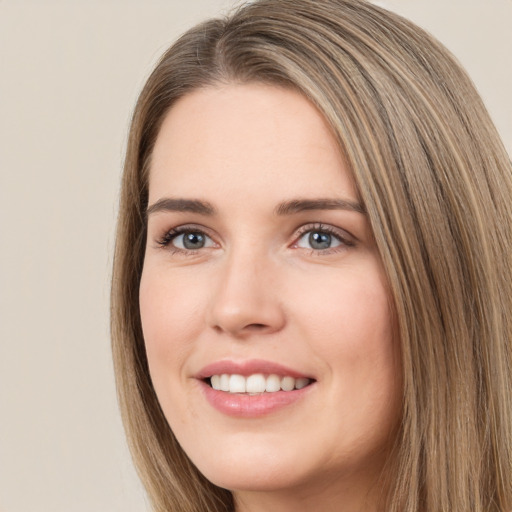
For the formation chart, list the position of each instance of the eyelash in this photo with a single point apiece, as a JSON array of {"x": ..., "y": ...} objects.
[
  {"x": 166, "y": 241},
  {"x": 345, "y": 240}
]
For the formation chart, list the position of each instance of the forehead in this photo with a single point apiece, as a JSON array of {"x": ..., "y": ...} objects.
[{"x": 237, "y": 138}]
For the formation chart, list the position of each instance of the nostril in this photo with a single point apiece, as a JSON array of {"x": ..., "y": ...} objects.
[{"x": 256, "y": 327}]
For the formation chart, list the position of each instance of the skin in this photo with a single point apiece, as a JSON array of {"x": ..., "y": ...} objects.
[{"x": 259, "y": 290}]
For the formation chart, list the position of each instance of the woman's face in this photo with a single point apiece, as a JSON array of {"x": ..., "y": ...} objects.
[{"x": 261, "y": 277}]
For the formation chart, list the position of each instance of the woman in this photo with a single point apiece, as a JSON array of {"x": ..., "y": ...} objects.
[{"x": 312, "y": 276}]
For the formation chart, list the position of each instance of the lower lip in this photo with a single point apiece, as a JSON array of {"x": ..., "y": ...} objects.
[{"x": 252, "y": 406}]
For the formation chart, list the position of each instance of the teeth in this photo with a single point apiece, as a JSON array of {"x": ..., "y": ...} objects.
[
  {"x": 237, "y": 384},
  {"x": 256, "y": 383},
  {"x": 288, "y": 383},
  {"x": 215, "y": 381},
  {"x": 301, "y": 383},
  {"x": 224, "y": 382},
  {"x": 273, "y": 384}
]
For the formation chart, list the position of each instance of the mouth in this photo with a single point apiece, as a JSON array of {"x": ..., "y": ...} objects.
[
  {"x": 256, "y": 383},
  {"x": 253, "y": 388}
]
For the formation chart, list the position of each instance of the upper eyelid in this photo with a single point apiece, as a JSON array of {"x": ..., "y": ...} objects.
[
  {"x": 165, "y": 237},
  {"x": 329, "y": 228},
  {"x": 184, "y": 228}
]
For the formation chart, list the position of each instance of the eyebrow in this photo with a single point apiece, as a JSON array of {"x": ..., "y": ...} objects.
[
  {"x": 169, "y": 204},
  {"x": 301, "y": 205}
]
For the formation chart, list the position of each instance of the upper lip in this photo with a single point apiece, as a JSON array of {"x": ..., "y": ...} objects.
[{"x": 247, "y": 368}]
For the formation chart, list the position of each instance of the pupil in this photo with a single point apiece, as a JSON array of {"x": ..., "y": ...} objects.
[
  {"x": 193, "y": 240},
  {"x": 319, "y": 240}
]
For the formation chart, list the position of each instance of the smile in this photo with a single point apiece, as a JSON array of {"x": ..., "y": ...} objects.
[
  {"x": 256, "y": 383},
  {"x": 253, "y": 388}
]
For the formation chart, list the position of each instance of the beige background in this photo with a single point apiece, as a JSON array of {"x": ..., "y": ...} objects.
[{"x": 70, "y": 73}]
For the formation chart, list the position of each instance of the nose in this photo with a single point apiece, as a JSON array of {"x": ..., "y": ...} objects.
[{"x": 245, "y": 299}]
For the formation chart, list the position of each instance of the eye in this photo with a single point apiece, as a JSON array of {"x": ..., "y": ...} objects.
[
  {"x": 186, "y": 240},
  {"x": 319, "y": 240},
  {"x": 323, "y": 238},
  {"x": 191, "y": 240}
]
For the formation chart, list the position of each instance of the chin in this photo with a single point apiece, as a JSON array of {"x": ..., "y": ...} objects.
[
  {"x": 251, "y": 477},
  {"x": 253, "y": 468}
]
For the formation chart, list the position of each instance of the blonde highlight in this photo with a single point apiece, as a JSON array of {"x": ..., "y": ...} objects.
[{"x": 436, "y": 183}]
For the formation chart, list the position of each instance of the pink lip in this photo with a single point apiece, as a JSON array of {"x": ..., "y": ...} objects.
[
  {"x": 247, "y": 368},
  {"x": 244, "y": 405}
]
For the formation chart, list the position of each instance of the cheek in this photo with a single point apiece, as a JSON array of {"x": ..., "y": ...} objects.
[
  {"x": 169, "y": 318},
  {"x": 350, "y": 325},
  {"x": 352, "y": 314},
  {"x": 169, "y": 306}
]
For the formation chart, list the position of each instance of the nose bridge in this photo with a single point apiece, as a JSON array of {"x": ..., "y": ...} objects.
[{"x": 245, "y": 299}]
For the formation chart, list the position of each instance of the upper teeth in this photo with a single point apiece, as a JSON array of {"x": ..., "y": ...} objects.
[{"x": 257, "y": 383}]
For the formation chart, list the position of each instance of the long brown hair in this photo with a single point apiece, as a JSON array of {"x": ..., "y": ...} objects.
[{"x": 437, "y": 185}]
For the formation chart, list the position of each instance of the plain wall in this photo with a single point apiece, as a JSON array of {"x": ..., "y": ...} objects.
[{"x": 70, "y": 72}]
